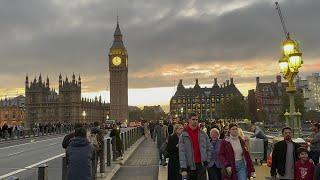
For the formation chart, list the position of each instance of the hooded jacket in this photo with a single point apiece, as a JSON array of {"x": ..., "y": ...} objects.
[{"x": 80, "y": 155}]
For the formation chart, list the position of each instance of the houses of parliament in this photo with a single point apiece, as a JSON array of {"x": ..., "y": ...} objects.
[{"x": 44, "y": 105}]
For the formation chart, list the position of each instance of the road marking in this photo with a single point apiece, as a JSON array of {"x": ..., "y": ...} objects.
[
  {"x": 32, "y": 142},
  {"x": 52, "y": 144},
  {"x": 15, "y": 153},
  {"x": 31, "y": 166}
]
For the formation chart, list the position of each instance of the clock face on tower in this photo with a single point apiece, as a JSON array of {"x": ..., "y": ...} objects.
[{"x": 116, "y": 61}]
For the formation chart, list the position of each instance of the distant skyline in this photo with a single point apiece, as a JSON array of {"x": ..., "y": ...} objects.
[{"x": 166, "y": 41}]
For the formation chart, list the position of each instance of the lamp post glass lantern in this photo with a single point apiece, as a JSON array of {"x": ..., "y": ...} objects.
[
  {"x": 84, "y": 115},
  {"x": 289, "y": 65}
]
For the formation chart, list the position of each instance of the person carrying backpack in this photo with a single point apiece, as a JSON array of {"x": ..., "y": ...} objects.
[{"x": 97, "y": 140}]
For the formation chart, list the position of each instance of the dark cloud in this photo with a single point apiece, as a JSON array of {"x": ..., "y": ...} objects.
[{"x": 74, "y": 36}]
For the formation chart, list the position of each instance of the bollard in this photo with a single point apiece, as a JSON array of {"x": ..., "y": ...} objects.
[
  {"x": 24, "y": 134},
  {"x": 108, "y": 152},
  {"x": 43, "y": 172},
  {"x": 114, "y": 149},
  {"x": 127, "y": 140},
  {"x": 42, "y": 130},
  {"x": 130, "y": 137},
  {"x": 122, "y": 140},
  {"x": 64, "y": 168}
]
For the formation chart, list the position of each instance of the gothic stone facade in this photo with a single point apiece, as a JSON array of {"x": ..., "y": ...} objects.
[
  {"x": 118, "y": 68},
  {"x": 45, "y": 105},
  {"x": 203, "y": 101}
]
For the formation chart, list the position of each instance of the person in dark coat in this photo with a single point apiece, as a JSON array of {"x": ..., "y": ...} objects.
[
  {"x": 224, "y": 132},
  {"x": 284, "y": 156},
  {"x": 116, "y": 140},
  {"x": 173, "y": 151},
  {"x": 100, "y": 150},
  {"x": 67, "y": 139},
  {"x": 160, "y": 135},
  {"x": 151, "y": 128},
  {"x": 80, "y": 155},
  {"x": 170, "y": 128}
]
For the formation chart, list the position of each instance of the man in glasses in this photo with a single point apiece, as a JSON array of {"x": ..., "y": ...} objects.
[{"x": 194, "y": 150}]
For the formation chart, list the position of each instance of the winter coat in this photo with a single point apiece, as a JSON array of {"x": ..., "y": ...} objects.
[
  {"x": 186, "y": 155},
  {"x": 215, "y": 147},
  {"x": 100, "y": 137},
  {"x": 173, "y": 165},
  {"x": 80, "y": 157},
  {"x": 279, "y": 157},
  {"x": 115, "y": 135},
  {"x": 161, "y": 133},
  {"x": 227, "y": 157},
  {"x": 258, "y": 133}
]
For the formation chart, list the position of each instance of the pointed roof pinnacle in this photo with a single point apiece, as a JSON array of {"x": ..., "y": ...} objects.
[{"x": 117, "y": 32}]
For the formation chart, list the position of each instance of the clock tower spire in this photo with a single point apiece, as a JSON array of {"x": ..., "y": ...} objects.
[{"x": 118, "y": 68}]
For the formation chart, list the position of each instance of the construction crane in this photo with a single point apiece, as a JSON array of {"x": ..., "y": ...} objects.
[{"x": 282, "y": 20}]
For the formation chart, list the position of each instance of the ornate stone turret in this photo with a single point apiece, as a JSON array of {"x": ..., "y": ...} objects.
[
  {"x": 47, "y": 83},
  {"x": 197, "y": 86},
  {"x": 27, "y": 83}
]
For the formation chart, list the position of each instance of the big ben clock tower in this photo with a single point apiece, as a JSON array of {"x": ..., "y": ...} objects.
[{"x": 118, "y": 68}]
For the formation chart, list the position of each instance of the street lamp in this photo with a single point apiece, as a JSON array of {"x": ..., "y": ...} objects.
[
  {"x": 181, "y": 110},
  {"x": 289, "y": 65},
  {"x": 84, "y": 115}
]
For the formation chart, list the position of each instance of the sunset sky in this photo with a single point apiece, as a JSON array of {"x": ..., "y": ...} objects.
[{"x": 167, "y": 40}]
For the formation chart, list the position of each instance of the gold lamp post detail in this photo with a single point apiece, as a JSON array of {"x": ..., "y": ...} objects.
[{"x": 289, "y": 65}]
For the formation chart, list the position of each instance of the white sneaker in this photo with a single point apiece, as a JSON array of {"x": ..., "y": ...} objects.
[{"x": 102, "y": 175}]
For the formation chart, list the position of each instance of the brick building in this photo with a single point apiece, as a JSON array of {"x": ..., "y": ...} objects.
[{"x": 204, "y": 101}]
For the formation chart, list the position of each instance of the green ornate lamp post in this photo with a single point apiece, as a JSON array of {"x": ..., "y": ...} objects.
[{"x": 289, "y": 64}]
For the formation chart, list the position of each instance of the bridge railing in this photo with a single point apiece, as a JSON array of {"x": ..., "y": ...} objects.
[{"x": 128, "y": 138}]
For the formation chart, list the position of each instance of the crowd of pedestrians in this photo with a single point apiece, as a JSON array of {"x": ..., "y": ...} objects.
[
  {"x": 199, "y": 151},
  {"x": 10, "y": 131},
  {"x": 218, "y": 151}
]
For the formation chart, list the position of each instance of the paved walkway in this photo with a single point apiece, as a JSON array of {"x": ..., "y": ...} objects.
[
  {"x": 263, "y": 172},
  {"x": 143, "y": 164}
]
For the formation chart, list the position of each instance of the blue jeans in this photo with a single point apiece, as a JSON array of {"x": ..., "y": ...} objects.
[{"x": 241, "y": 170}]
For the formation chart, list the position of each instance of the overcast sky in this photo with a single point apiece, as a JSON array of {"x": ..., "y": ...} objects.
[{"x": 166, "y": 40}]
